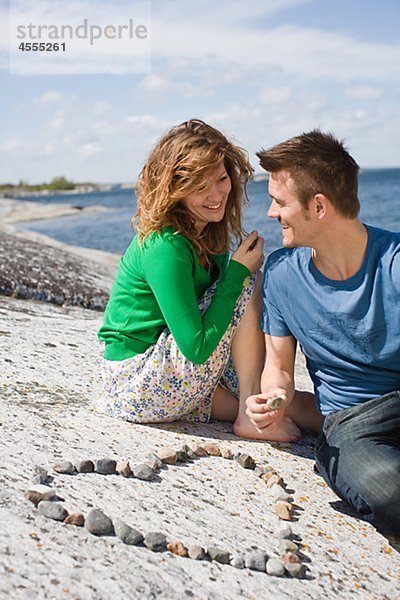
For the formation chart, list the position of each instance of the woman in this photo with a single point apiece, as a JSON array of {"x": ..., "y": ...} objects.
[{"x": 180, "y": 308}]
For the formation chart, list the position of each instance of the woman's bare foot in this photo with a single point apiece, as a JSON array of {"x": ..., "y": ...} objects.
[{"x": 284, "y": 431}]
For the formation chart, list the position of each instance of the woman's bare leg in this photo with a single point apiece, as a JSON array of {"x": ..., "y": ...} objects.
[{"x": 224, "y": 405}]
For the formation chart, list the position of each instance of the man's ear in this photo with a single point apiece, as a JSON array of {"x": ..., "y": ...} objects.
[{"x": 321, "y": 205}]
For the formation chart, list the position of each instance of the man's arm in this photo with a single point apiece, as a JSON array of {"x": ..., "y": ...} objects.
[{"x": 277, "y": 380}]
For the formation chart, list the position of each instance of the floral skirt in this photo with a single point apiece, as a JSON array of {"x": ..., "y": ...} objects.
[{"x": 162, "y": 385}]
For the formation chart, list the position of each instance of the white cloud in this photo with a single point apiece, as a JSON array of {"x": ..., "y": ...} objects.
[
  {"x": 363, "y": 92},
  {"x": 100, "y": 107},
  {"x": 89, "y": 150},
  {"x": 146, "y": 122},
  {"x": 49, "y": 98}
]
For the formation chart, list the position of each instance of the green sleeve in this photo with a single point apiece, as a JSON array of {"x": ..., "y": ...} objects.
[{"x": 168, "y": 266}]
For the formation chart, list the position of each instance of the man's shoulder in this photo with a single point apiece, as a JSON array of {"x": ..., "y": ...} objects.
[
  {"x": 383, "y": 238},
  {"x": 285, "y": 258}
]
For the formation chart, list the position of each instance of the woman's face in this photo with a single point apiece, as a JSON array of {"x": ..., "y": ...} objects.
[{"x": 208, "y": 206}]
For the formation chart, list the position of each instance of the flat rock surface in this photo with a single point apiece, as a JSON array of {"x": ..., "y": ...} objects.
[
  {"x": 43, "y": 272},
  {"x": 48, "y": 383}
]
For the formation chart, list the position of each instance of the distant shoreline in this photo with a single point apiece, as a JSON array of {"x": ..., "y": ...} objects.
[{"x": 17, "y": 193}]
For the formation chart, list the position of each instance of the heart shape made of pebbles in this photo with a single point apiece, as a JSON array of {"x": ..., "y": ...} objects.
[{"x": 50, "y": 506}]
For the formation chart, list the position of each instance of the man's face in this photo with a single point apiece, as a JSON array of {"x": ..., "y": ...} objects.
[{"x": 297, "y": 227}]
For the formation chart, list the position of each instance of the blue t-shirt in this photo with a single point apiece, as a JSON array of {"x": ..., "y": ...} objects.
[{"x": 348, "y": 330}]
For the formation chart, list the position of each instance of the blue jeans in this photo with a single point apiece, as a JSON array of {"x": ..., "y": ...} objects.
[{"x": 358, "y": 454}]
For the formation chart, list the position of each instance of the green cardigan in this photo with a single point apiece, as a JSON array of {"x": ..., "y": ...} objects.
[{"x": 157, "y": 286}]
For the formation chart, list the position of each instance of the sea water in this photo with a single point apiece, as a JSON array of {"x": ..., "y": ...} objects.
[{"x": 379, "y": 193}]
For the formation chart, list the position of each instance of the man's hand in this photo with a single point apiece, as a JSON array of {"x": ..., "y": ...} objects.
[{"x": 260, "y": 408}]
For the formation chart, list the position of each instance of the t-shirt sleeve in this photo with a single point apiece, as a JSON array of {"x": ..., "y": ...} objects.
[
  {"x": 168, "y": 268},
  {"x": 272, "y": 321},
  {"x": 395, "y": 269}
]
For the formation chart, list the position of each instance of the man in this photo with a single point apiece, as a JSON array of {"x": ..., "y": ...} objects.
[{"x": 334, "y": 288}]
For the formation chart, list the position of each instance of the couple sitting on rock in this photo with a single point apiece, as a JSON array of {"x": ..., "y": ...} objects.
[{"x": 182, "y": 328}]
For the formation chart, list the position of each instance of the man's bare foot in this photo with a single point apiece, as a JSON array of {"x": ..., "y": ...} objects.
[{"x": 284, "y": 431}]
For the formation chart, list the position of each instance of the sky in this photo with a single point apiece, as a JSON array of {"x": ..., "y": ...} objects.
[{"x": 259, "y": 70}]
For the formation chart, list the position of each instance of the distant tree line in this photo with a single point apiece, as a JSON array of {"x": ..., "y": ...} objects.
[{"x": 56, "y": 184}]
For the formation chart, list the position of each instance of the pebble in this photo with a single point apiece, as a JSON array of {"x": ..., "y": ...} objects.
[
  {"x": 267, "y": 476},
  {"x": 168, "y": 456},
  {"x": 274, "y": 403},
  {"x": 283, "y": 510},
  {"x": 52, "y": 510},
  {"x": 200, "y": 451},
  {"x": 76, "y": 519},
  {"x": 285, "y": 531},
  {"x": 256, "y": 561},
  {"x": 40, "y": 478},
  {"x": 226, "y": 453},
  {"x": 196, "y": 552},
  {"x": 177, "y": 548},
  {"x": 105, "y": 466},
  {"x": 181, "y": 455},
  {"x": 128, "y": 535},
  {"x": 297, "y": 570},
  {"x": 154, "y": 461},
  {"x": 246, "y": 461},
  {"x": 291, "y": 557},
  {"x": 85, "y": 466},
  {"x": 189, "y": 451},
  {"x": 263, "y": 470},
  {"x": 65, "y": 467},
  {"x": 98, "y": 523},
  {"x": 37, "y": 493},
  {"x": 275, "y": 479},
  {"x": 124, "y": 468},
  {"x": 143, "y": 471},
  {"x": 237, "y": 562},
  {"x": 155, "y": 541},
  {"x": 211, "y": 448},
  {"x": 38, "y": 470},
  {"x": 279, "y": 493},
  {"x": 275, "y": 567},
  {"x": 219, "y": 555},
  {"x": 287, "y": 546}
]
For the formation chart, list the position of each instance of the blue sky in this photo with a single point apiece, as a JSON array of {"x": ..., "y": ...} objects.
[{"x": 261, "y": 70}]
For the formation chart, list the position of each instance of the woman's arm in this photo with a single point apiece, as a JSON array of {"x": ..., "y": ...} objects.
[{"x": 168, "y": 266}]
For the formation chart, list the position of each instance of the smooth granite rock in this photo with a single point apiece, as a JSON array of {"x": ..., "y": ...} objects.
[
  {"x": 237, "y": 562},
  {"x": 287, "y": 546},
  {"x": 155, "y": 541},
  {"x": 98, "y": 523},
  {"x": 128, "y": 535},
  {"x": 297, "y": 570},
  {"x": 106, "y": 466},
  {"x": 196, "y": 552},
  {"x": 275, "y": 567},
  {"x": 85, "y": 466},
  {"x": 256, "y": 561},
  {"x": 219, "y": 555},
  {"x": 143, "y": 471},
  {"x": 65, "y": 467},
  {"x": 52, "y": 510}
]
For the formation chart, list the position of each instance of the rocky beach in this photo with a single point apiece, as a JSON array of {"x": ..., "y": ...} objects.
[{"x": 207, "y": 500}]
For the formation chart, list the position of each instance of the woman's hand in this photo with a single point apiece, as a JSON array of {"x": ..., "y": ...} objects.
[{"x": 250, "y": 252}]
